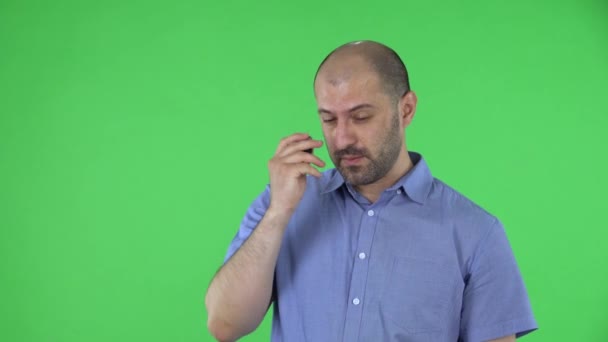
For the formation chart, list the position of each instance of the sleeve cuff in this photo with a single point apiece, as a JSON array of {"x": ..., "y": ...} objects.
[{"x": 517, "y": 327}]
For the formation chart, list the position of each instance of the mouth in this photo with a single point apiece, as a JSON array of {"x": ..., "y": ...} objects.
[{"x": 351, "y": 160}]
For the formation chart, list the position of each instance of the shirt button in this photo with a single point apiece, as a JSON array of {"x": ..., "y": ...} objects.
[
  {"x": 370, "y": 213},
  {"x": 356, "y": 301},
  {"x": 399, "y": 192},
  {"x": 361, "y": 255}
]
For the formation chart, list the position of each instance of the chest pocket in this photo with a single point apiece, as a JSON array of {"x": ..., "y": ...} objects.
[{"x": 418, "y": 296}]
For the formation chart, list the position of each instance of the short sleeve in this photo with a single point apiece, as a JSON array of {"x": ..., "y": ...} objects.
[
  {"x": 495, "y": 301},
  {"x": 253, "y": 216}
]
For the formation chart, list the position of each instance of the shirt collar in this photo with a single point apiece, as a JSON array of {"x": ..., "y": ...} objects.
[{"x": 416, "y": 182}]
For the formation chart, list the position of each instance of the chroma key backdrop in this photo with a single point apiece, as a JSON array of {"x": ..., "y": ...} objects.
[{"x": 135, "y": 134}]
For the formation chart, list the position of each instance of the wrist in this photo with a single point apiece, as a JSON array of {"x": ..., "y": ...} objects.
[{"x": 280, "y": 213}]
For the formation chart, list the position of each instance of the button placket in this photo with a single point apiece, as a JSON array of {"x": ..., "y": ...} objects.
[{"x": 358, "y": 281}]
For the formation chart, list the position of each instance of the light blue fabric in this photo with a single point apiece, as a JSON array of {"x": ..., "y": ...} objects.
[{"x": 423, "y": 263}]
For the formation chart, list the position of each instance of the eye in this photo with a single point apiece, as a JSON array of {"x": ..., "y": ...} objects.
[
  {"x": 329, "y": 120},
  {"x": 361, "y": 118}
]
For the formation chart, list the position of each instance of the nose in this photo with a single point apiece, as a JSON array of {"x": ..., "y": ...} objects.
[{"x": 344, "y": 135}]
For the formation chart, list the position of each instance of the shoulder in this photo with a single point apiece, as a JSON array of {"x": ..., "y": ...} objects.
[
  {"x": 461, "y": 212},
  {"x": 456, "y": 206},
  {"x": 471, "y": 227}
]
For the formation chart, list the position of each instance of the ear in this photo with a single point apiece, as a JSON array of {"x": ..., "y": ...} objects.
[{"x": 407, "y": 108}]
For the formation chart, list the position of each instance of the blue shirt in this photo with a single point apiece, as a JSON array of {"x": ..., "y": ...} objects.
[{"x": 422, "y": 263}]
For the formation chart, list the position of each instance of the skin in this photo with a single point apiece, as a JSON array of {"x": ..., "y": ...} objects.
[
  {"x": 240, "y": 293},
  {"x": 358, "y": 118},
  {"x": 510, "y": 338}
]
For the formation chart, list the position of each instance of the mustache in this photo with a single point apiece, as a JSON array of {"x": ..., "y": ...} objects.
[{"x": 350, "y": 151}]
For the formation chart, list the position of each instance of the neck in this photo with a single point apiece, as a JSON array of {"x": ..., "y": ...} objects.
[{"x": 373, "y": 191}]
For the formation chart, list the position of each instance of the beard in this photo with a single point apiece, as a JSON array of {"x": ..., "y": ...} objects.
[{"x": 378, "y": 166}]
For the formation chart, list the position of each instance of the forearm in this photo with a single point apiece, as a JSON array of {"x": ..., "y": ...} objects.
[{"x": 239, "y": 294}]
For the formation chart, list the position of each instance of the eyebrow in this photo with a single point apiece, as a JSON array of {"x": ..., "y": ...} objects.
[{"x": 353, "y": 109}]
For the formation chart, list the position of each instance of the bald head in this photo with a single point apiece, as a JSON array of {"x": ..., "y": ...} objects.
[{"x": 364, "y": 56}]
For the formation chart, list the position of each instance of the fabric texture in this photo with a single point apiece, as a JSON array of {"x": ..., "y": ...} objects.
[{"x": 423, "y": 263}]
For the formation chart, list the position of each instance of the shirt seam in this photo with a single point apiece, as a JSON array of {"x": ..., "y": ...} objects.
[{"x": 480, "y": 249}]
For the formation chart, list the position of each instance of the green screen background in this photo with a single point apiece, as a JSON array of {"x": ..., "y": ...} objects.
[{"x": 134, "y": 135}]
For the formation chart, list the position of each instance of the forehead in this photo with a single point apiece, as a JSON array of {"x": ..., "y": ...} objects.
[{"x": 340, "y": 92}]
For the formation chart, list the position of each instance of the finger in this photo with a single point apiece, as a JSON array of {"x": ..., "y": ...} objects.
[
  {"x": 301, "y": 145},
  {"x": 306, "y": 169},
  {"x": 290, "y": 139},
  {"x": 303, "y": 157}
]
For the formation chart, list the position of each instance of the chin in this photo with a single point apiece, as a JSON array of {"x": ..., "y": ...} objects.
[{"x": 354, "y": 178}]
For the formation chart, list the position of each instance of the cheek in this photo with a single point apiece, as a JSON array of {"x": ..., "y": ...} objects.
[
  {"x": 372, "y": 138},
  {"x": 328, "y": 138}
]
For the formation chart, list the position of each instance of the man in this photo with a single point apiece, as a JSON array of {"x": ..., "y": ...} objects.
[{"x": 376, "y": 249}]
